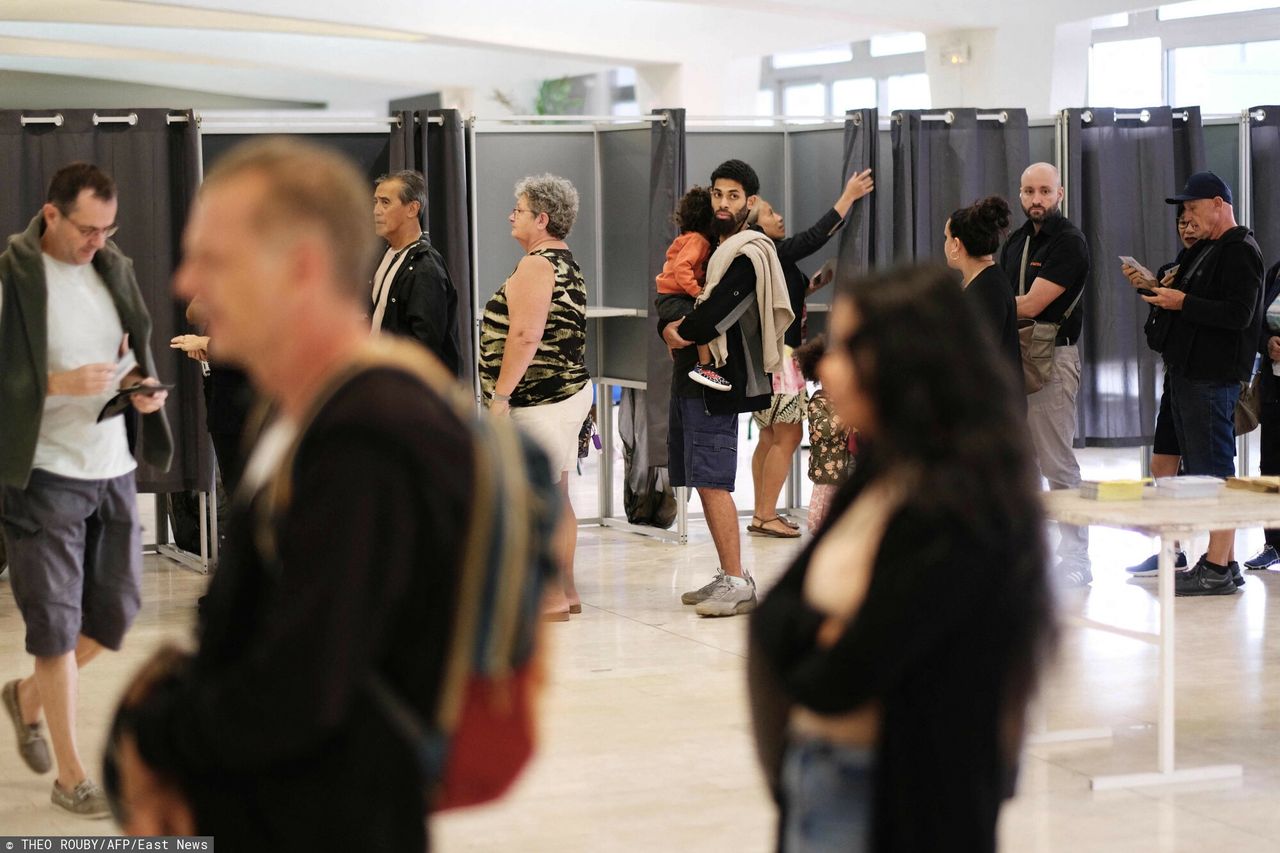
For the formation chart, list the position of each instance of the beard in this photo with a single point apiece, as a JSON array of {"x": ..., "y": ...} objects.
[
  {"x": 1040, "y": 214},
  {"x": 732, "y": 225}
]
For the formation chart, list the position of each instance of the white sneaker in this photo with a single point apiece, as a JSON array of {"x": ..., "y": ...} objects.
[
  {"x": 701, "y": 594},
  {"x": 731, "y": 599}
]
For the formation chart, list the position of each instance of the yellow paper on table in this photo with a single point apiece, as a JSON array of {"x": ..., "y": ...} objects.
[
  {"x": 1112, "y": 490},
  {"x": 1255, "y": 484}
]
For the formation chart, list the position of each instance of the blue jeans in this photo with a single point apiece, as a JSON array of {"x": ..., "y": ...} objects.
[
  {"x": 1204, "y": 418},
  {"x": 828, "y": 791}
]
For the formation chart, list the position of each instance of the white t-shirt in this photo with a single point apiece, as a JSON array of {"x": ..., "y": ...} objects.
[
  {"x": 382, "y": 279},
  {"x": 83, "y": 328}
]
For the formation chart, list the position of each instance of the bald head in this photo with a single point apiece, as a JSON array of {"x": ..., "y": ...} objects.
[
  {"x": 1042, "y": 173},
  {"x": 1041, "y": 192}
]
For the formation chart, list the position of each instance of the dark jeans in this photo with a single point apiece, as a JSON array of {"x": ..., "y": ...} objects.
[{"x": 1204, "y": 419}]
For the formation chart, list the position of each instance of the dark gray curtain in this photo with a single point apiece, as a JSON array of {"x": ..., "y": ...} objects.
[
  {"x": 405, "y": 148},
  {"x": 1118, "y": 173},
  {"x": 1264, "y": 161},
  {"x": 939, "y": 166},
  {"x": 666, "y": 187},
  {"x": 156, "y": 165},
  {"x": 447, "y": 219},
  {"x": 857, "y": 248}
]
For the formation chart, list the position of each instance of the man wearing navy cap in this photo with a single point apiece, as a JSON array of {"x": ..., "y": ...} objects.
[{"x": 1217, "y": 300}]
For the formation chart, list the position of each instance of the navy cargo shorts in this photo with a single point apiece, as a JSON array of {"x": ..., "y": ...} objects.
[
  {"x": 702, "y": 448},
  {"x": 75, "y": 559}
]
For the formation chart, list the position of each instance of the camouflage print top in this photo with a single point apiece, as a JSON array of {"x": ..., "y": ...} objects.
[{"x": 559, "y": 369}]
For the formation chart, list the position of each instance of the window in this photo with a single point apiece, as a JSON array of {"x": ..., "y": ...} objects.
[
  {"x": 1201, "y": 8},
  {"x": 1110, "y": 22},
  {"x": 804, "y": 99},
  {"x": 852, "y": 95},
  {"x": 1126, "y": 73},
  {"x": 1225, "y": 78},
  {"x": 625, "y": 108},
  {"x": 765, "y": 105},
  {"x": 818, "y": 56},
  {"x": 894, "y": 44},
  {"x": 909, "y": 92}
]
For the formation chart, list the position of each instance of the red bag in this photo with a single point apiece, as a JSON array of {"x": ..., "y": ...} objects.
[{"x": 493, "y": 742}]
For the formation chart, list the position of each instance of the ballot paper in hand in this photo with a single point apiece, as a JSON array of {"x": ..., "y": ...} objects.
[{"x": 1131, "y": 261}]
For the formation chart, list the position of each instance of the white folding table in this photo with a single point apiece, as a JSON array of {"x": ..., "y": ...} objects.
[{"x": 1171, "y": 520}]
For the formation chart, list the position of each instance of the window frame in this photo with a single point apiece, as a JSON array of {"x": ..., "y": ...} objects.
[
  {"x": 1207, "y": 31},
  {"x": 863, "y": 65}
]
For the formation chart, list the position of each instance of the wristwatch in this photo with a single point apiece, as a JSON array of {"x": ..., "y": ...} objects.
[{"x": 501, "y": 398}]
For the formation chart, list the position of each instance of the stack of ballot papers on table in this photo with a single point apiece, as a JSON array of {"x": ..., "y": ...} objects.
[
  {"x": 1112, "y": 490},
  {"x": 1187, "y": 487},
  {"x": 1255, "y": 484}
]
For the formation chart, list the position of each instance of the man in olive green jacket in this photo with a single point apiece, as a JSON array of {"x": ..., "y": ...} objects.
[{"x": 73, "y": 333}]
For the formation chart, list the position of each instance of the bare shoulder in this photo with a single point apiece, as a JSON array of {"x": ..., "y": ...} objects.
[{"x": 536, "y": 265}]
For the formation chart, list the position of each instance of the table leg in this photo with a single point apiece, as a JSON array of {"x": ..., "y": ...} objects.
[{"x": 1166, "y": 733}]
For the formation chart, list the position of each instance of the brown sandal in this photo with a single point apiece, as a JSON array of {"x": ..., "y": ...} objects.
[{"x": 761, "y": 530}]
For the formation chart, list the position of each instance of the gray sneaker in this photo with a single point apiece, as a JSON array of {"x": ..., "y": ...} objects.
[
  {"x": 730, "y": 600},
  {"x": 32, "y": 746},
  {"x": 698, "y": 596},
  {"x": 86, "y": 800}
]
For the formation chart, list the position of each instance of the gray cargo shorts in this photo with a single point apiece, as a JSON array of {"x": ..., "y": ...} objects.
[{"x": 75, "y": 559}]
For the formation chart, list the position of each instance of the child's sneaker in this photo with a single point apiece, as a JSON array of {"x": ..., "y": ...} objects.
[{"x": 704, "y": 374}]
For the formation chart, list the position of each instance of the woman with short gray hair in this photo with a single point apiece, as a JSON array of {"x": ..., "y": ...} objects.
[{"x": 533, "y": 346}]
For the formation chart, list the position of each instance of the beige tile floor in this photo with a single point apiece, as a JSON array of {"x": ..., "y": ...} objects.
[{"x": 645, "y": 740}]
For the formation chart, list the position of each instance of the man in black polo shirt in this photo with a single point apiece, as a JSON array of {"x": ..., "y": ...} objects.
[
  {"x": 1047, "y": 260},
  {"x": 1216, "y": 306}
]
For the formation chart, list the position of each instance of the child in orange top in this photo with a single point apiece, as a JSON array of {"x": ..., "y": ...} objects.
[{"x": 685, "y": 270}]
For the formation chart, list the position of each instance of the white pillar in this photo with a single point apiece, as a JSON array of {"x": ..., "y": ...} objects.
[
  {"x": 710, "y": 88},
  {"x": 1024, "y": 63}
]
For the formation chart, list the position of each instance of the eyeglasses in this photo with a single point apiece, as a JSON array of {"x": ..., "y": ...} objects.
[
  {"x": 516, "y": 210},
  {"x": 1183, "y": 223},
  {"x": 89, "y": 232}
]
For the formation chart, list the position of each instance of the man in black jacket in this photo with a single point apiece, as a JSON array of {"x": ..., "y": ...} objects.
[
  {"x": 702, "y": 440},
  {"x": 412, "y": 294},
  {"x": 1209, "y": 351},
  {"x": 345, "y": 545}
]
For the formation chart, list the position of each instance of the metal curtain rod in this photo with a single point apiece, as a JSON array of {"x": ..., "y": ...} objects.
[
  {"x": 1144, "y": 116},
  {"x": 733, "y": 119},
  {"x": 131, "y": 119},
  {"x": 949, "y": 117},
  {"x": 259, "y": 121},
  {"x": 55, "y": 120},
  {"x": 578, "y": 119}
]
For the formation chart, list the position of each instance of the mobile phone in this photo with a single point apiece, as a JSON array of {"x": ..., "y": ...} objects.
[
  {"x": 145, "y": 390},
  {"x": 1146, "y": 291}
]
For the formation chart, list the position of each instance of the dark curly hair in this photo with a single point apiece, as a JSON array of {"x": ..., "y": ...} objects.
[
  {"x": 981, "y": 226},
  {"x": 808, "y": 356},
  {"x": 695, "y": 212},
  {"x": 957, "y": 424},
  {"x": 736, "y": 170}
]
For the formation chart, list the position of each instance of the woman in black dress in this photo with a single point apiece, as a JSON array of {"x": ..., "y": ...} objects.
[{"x": 973, "y": 237}]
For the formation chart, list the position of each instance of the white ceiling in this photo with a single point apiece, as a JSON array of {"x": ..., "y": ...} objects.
[{"x": 358, "y": 56}]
